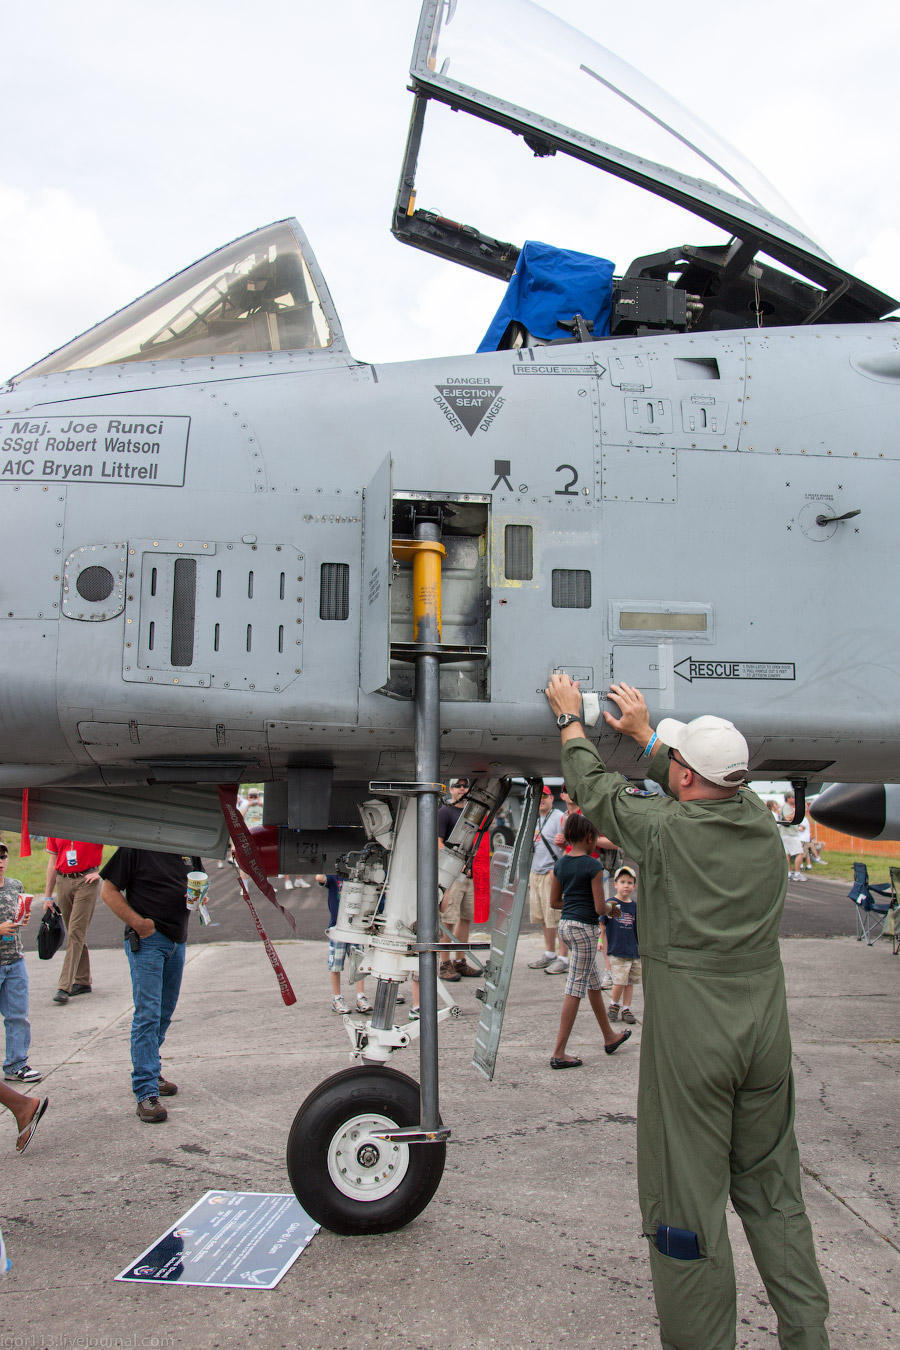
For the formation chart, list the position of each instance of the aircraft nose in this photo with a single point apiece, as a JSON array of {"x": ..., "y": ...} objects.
[{"x": 853, "y": 808}]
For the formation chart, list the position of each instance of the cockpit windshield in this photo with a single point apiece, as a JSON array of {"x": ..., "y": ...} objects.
[
  {"x": 255, "y": 295},
  {"x": 514, "y": 55},
  {"x": 577, "y": 107},
  {"x": 511, "y": 48}
]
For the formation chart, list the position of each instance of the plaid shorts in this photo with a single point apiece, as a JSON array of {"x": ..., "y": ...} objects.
[
  {"x": 337, "y": 953},
  {"x": 581, "y": 940}
]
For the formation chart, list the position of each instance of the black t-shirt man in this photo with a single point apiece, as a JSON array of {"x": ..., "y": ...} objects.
[
  {"x": 154, "y": 884},
  {"x": 447, "y": 817}
]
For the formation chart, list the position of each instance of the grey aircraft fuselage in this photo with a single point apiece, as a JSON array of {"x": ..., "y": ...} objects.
[{"x": 665, "y": 491}]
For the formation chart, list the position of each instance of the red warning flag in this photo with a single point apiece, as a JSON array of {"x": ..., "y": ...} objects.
[
  {"x": 481, "y": 876},
  {"x": 25, "y": 841}
]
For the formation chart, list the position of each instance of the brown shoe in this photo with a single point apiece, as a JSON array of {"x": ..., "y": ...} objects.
[
  {"x": 628, "y": 1016},
  {"x": 151, "y": 1111},
  {"x": 463, "y": 967},
  {"x": 448, "y": 972},
  {"x": 166, "y": 1089}
]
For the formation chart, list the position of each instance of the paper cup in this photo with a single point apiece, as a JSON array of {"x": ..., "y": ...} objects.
[
  {"x": 195, "y": 883},
  {"x": 23, "y": 906}
]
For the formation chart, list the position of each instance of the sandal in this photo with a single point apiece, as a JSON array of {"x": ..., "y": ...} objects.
[
  {"x": 564, "y": 1063},
  {"x": 611, "y": 1049},
  {"x": 28, "y": 1131}
]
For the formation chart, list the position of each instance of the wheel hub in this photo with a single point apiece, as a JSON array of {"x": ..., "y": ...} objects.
[{"x": 363, "y": 1166}]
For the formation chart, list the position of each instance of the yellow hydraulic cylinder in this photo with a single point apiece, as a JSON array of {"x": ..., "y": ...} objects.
[{"x": 426, "y": 555}]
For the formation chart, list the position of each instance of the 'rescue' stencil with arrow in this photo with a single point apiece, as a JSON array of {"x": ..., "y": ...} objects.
[{"x": 691, "y": 669}]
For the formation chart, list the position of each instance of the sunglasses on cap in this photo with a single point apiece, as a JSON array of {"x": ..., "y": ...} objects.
[{"x": 674, "y": 756}]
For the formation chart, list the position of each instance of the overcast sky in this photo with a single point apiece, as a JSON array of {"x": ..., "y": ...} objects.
[{"x": 139, "y": 136}]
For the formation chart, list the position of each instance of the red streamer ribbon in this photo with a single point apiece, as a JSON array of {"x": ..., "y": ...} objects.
[
  {"x": 247, "y": 853},
  {"x": 284, "y": 984},
  {"x": 249, "y": 861}
]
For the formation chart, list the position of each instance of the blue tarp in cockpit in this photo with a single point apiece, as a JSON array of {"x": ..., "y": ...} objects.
[{"x": 550, "y": 284}]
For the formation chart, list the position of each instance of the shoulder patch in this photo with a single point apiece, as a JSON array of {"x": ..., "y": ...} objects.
[{"x": 638, "y": 792}]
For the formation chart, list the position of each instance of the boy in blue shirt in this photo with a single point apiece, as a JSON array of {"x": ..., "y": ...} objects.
[
  {"x": 622, "y": 946},
  {"x": 337, "y": 951}
]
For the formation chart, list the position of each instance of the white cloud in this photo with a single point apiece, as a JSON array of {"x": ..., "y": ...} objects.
[
  {"x": 61, "y": 273},
  {"x": 178, "y": 148}
]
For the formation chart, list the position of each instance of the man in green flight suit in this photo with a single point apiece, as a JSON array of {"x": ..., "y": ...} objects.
[{"x": 716, "y": 1094}]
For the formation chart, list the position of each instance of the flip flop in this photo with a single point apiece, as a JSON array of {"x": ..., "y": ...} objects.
[
  {"x": 611, "y": 1049},
  {"x": 22, "y": 1144},
  {"x": 565, "y": 1063}
]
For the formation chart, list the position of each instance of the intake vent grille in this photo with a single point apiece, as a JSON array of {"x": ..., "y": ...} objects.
[
  {"x": 518, "y": 546},
  {"x": 232, "y": 615},
  {"x": 571, "y": 589},
  {"x": 334, "y": 591},
  {"x": 184, "y": 604}
]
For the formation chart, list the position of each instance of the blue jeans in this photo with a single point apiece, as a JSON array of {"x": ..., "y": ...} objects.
[
  {"x": 14, "y": 1010},
  {"x": 156, "y": 972}
]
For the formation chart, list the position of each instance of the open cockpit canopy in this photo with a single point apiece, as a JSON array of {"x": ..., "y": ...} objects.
[
  {"x": 512, "y": 64},
  {"x": 260, "y": 293}
]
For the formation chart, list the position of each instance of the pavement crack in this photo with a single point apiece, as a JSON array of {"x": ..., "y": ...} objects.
[
  {"x": 529, "y": 1131},
  {"x": 817, "y": 1177}
]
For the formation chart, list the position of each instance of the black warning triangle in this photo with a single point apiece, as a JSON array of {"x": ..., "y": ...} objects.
[{"x": 469, "y": 402}]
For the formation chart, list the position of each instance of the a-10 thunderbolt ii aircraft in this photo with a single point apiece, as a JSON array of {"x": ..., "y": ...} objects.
[{"x": 253, "y": 556}]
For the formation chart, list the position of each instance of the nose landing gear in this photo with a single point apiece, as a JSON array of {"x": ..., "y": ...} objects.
[{"x": 345, "y": 1174}]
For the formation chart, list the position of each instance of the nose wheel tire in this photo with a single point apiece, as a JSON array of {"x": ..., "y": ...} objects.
[{"x": 344, "y": 1176}]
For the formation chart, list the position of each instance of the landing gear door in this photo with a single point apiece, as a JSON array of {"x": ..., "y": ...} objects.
[
  {"x": 375, "y": 601},
  {"x": 509, "y": 887}
]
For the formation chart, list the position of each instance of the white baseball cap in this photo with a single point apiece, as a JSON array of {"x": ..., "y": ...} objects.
[{"x": 711, "y": 746}]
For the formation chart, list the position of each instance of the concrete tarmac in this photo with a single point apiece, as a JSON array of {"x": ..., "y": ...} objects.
[{"x": 533, "y": 1238}]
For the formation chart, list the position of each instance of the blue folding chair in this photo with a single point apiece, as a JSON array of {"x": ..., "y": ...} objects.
[
  {"x": 892, "y": 923},
  {"x": 870, "y": 913}
]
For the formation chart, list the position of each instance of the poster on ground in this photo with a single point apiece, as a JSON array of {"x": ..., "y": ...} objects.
[{"x": 230, "y": 1240}]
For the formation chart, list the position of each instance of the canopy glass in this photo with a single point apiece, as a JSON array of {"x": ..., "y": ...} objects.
[{"x": 254, "y": 295}]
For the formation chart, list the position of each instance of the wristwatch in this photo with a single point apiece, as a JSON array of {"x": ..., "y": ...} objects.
[{"x": 566, "y": 719}]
